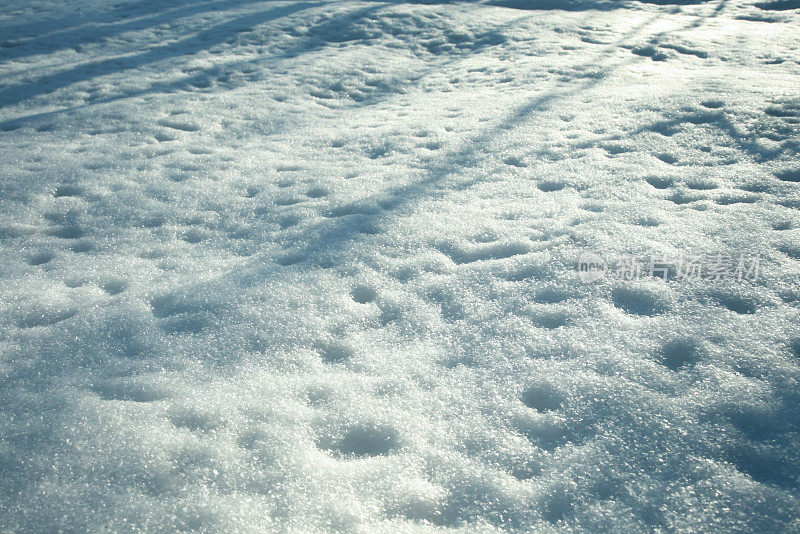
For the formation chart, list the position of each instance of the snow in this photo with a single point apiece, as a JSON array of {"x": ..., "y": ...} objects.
[{"x": 311, "y": 266}]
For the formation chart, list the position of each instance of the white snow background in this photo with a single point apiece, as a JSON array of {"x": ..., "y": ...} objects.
[{"x": 310, "y": 266}]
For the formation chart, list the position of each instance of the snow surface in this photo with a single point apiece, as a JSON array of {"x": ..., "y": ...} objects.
[{"x": 310, "y": 265}]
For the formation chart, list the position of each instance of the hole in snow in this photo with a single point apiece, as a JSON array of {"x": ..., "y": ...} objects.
[
  {"x": 40, "y": 258},
  {"x": 791, "y": 175},
  {"x": 542, "y": 398},
  {"x": 794, "y": 347},
  {"x": 549, "y": 187},
  {"x": 363, "y": 441},
  {"x": 67, "y": 191},
  {"x": 680, "y": 352},
  {"x": 114, "y": 287},
  {"x": 336, "y": 352},
  {"x": 660, "y": 182},
  {"x": 738, "y": 303},
  {"x": 363, "y": 294},
  {"x": 636, "y": 301}
]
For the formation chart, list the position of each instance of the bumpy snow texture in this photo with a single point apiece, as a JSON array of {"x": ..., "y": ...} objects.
[{"x": 311, "y": 265}]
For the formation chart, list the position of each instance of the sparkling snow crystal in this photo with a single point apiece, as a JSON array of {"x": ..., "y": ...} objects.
[{"x": 373, "y": 266}]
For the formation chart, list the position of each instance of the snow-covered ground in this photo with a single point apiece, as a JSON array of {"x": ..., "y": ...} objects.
[{"x": 311, "y": 265}]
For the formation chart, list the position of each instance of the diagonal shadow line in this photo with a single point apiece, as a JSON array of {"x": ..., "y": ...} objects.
[
  {"x": 116, "y": 14},
  {"x": 263, "y": 269},
  {"x": 48, "y": 83},
  {"x": 102, "y": 26},
  {"x": 315, "y": 42},
  {"x": 66, "y": 22},
  {"x": 326, "y": 238},
  {"x": 188, "y": 46},
  {"x": 716, "y": 119},
  {"x": 329, "y": 239},
  {"x": 335, "y": 237},
  {"x": 417, "y": 189},
  {"x": 14, "y": 123}
]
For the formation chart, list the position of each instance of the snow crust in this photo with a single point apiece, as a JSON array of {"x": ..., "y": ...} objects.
[{"x": 310, "y": 266}]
